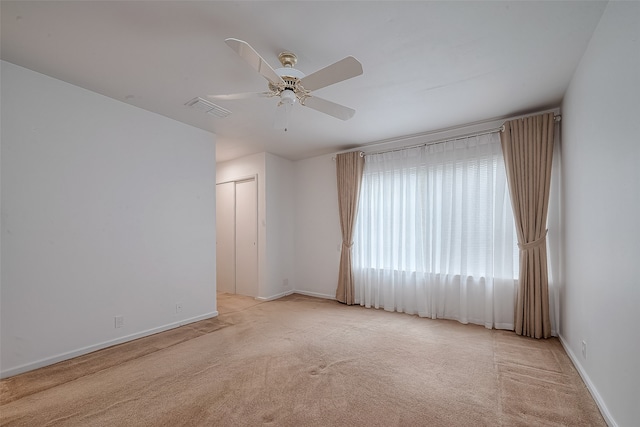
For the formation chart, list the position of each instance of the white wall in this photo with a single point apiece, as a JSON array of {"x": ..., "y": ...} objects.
[
  {"x": 107, "y": 210},
  {"x": 280, "y": 226},
  {"x": 317, "y": 227},
  {"x": 600, "y": 300}
]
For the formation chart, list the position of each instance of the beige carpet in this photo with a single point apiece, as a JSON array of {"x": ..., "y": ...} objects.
[{"x": 302, "y": 361}]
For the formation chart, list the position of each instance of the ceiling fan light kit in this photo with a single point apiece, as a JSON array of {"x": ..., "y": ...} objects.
[
  {"x": 291, "y": 84},
  {"x": 288, "y": 96}
]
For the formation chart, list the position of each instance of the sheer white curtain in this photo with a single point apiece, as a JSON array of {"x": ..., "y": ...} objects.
[{"x": 435, "y": 234}]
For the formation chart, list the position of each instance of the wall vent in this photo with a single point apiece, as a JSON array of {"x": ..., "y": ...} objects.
[{"x": 208, "y": 107}]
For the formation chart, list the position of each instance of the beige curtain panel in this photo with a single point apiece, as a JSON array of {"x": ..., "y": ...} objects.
[
  {"x": 349, "y": 168},
  {"x": 527, "y": 146}
]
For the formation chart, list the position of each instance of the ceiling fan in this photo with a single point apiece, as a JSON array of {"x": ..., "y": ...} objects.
[{"x": 292, "y": 85}]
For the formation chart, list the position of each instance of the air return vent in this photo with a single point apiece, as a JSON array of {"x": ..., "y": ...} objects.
[{"x": 208, "y": 107}]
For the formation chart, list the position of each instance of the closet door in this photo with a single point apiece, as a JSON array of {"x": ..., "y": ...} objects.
[
  {"x": 247, "y": 237},
  {"x": 226, "y": 237}
]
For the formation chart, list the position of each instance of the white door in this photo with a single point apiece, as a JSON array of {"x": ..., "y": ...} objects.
[
  {"x": 247, "y": 238},
  {"x": 226, "y": 237}
]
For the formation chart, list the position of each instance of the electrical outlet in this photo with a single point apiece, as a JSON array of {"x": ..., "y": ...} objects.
[
  {"x": 584, "y": 349},
  {"x": 178, "y": 307},
  {"x": 119, "y": 321}
]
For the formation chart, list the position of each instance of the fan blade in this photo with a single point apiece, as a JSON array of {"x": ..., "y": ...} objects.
[
  {"x": 247, "y": 53},
  {"x": 342, "y": 70},
  {"x": 245, "y": 95},
  {"x": 331, "y": 108}
]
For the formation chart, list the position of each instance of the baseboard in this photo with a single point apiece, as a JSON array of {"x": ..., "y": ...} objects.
[
  {"x": 590, "y": 386},
  {"x": 314, "y": 294},
  {"x": 90, "y": 349},
  {"x": 501, "y": 326},
  {"x": 272, "y": 297}
]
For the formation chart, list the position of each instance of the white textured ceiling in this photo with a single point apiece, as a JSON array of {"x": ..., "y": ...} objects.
[{"x": 427, "y": 65}]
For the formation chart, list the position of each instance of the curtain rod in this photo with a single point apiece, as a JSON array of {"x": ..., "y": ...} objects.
[
  {"x": 439, "y": 141},
  {"x": 556, "y": 118}
]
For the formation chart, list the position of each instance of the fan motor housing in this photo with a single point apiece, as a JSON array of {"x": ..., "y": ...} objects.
[
  {"x": 290, "y": 82},
  {"x": 291, "y": 78}
]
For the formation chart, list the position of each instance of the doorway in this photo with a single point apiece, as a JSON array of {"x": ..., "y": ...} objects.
[{"x": 237, "y": 237}]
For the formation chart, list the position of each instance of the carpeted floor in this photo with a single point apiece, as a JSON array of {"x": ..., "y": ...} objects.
[{"x": 302, "y": 361}]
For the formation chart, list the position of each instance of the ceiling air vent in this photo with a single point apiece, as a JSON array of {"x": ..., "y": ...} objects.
[{"x": 208, "y": 107}]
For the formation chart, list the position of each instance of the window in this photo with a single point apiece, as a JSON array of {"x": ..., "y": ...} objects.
[{"x": 435, "y": 234}]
